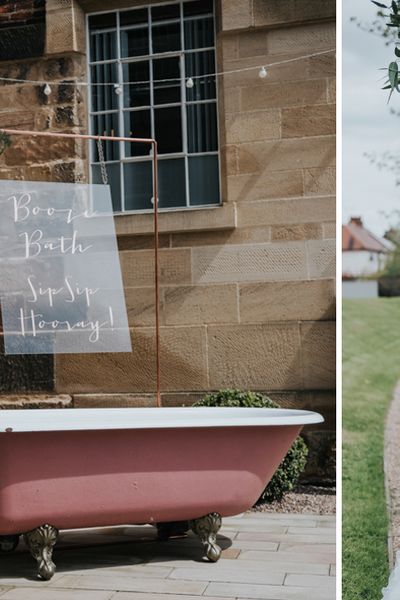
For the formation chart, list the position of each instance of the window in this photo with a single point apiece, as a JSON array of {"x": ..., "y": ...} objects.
[{"x": 151, "y": 53}]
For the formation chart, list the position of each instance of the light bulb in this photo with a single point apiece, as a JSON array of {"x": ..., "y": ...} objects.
[
  {"x": 189, "y": 83},
  {"x": 47, "y": 90},
  {"x": 263, "y": 73}
]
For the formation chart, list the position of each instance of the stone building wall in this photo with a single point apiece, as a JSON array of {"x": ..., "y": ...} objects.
[
  {"x": 22, "y": 28},
  {"x": 247, "y": 289}
]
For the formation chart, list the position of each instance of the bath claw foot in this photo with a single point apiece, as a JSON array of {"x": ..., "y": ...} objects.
[
  {"x": 206, "y": 528},
  {"x": 41, "y": 542},
  {"x": 171, "y": 529},
  {"x": 8, "y": 543}
]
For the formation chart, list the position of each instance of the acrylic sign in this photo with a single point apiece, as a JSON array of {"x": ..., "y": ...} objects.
[{"x": 60, "y": 278}]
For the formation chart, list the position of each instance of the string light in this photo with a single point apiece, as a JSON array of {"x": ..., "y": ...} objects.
[{"x": 262, "y": 73}]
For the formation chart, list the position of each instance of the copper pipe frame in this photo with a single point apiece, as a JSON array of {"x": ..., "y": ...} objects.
[{"x": 153, "y": 143}]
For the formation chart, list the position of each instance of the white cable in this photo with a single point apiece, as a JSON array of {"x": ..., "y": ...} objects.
[{"x": 263, "y": 67}]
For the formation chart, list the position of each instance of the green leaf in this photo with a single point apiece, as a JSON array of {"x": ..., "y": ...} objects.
[
  {"x": 397, "y": 52},
  {"x": 379, "y": 4},
  {"x": 393, "y": 74}
]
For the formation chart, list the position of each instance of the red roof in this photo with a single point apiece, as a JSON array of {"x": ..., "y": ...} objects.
[{"x": 356, "y": 237}]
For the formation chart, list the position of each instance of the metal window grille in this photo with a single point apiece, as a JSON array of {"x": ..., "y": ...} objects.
[{"x": 138, "y": 49}]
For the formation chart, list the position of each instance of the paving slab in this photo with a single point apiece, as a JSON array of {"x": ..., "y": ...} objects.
[
  {"x": 59, "y": 594},
  {"x": 309, "y": 557},
  {"x": 265, "y": 557},
  {"x": 269, "y": 592}
]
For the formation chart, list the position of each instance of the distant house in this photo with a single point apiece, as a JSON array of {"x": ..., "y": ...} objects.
[{"x": 363, "y": 252}]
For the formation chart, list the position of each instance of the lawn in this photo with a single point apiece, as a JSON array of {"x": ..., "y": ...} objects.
[{"x": 371, "y": 367}]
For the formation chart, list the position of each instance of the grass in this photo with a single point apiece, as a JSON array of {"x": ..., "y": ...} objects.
[{"x": 371, "y": 368}]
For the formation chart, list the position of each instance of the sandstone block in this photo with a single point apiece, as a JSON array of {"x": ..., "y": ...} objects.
[
  {"x": 38, "y": 172},
  {"x": 65, "y": 116},
  {"x": 258, "y": 262},
  {"x": 331, "y": 89},
  {"x": 93, "y": 5},
  {"x": 318, "y": 354},
  {"x": 183, "y": 365},
  {"x": 253, "y": 126},
  {"x": 220, "y": 217},
  {"x": 287, "y": 72},
  {"x": 306, "y": 39},
  {"x": 284, "y": 94},
  {"x": 287, "y": 301},
  {"x": 142, "y": 242},
  {"x": 183, "y": 399},
  {"x": 18, "y": 119},
  {"x": 59, "y": 4},
  {"x": 306, "y": 231},
  {"x": 229, "y": 46},
  {"x": 236, "y": 14},
  {"x": 65, "y": 67},
  {"x": 34, "y": 401},
  {"x": 253, "y": 43},
  {"x": 138, "y": 267},
  {"x": 265, "y": 184},
  {"x": 244, "y": 235},
  {"x": 319, "y": 181},
  {"x": 284, "y": 12},
  {"x": 329, "y": 230},
  {"x": 33, "y": 150},
  {"x": 24, "y": 97},
  {"x": 308, "y": 120},
  {"x": 114, "y": 400},
  {"x": 196, "y": 304},
  {"x": 44, "y": 119},
  {"x": 16, "y": 69},
  {"x": 323, "y": 65},
  {"x": 321, "y": 258},
  {"x": 286, "y": 211},
  {"x": 65, "y": 28},
  {"x": 231, "y": 100},
  {"x": 285, "y": 154},
  {"x": 69, "y": 172},
  {"x": 230, "y": 159},
  {"x": 254, "y": 357},
  {"x": 12, "y": 173},
  {"x": 140, "y": 305}
]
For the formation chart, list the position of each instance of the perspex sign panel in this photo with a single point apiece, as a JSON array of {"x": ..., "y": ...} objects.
[{"x": 60, "y": 278}]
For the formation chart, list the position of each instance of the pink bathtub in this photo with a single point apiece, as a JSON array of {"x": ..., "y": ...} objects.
[{"x": 67, "y": 469}]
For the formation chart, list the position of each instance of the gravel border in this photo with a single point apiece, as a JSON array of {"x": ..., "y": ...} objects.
[
  {"x": 306, "y": 499},
  {"x": 392, "y": 474}
]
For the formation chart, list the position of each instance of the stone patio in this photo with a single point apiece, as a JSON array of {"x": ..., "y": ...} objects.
[{"x": 265, "y": 557}]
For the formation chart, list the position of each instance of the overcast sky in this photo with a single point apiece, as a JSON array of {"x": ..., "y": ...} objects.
[{"x": 368, "y": 125}]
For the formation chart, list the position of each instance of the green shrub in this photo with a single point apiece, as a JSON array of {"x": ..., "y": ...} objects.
[{"x": 288, "y": 473}]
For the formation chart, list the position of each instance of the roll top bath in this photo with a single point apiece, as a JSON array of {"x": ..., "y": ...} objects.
[{"x": 106, "y": 467}]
